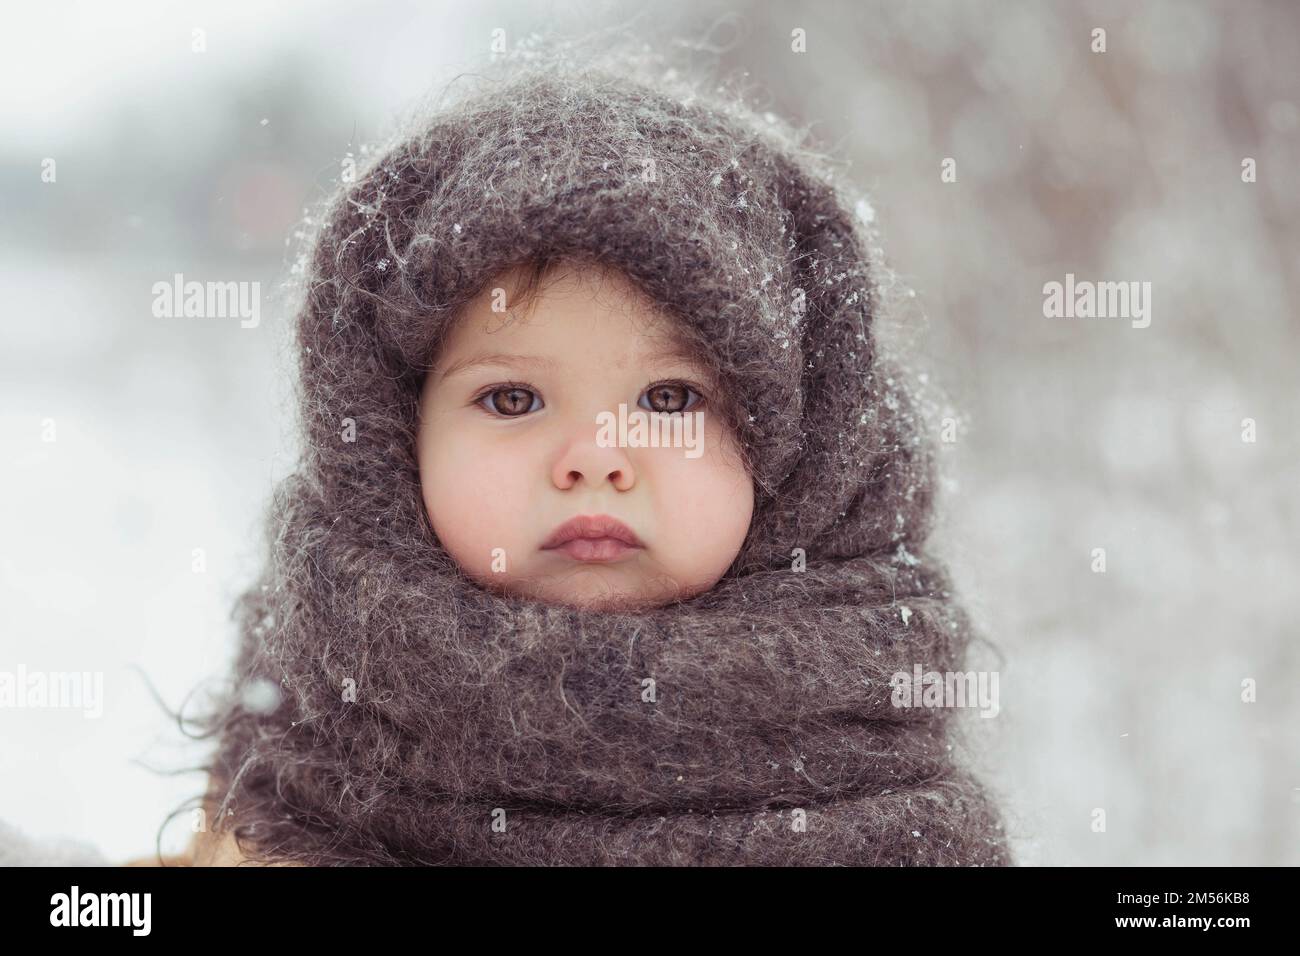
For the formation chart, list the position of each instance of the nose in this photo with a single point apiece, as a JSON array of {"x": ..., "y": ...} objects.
[{"x": 584, "y": 459}]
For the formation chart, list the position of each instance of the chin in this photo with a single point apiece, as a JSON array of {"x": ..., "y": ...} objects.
[{"x": 594, "y": 588}]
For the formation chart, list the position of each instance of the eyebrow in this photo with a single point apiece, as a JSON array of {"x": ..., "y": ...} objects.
[
  {"x": 471, "y": 362},
  {"x": 496, "y": 358}
]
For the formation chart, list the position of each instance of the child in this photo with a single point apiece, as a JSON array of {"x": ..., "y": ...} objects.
[
  {"x": 496, "y": 625},
  {"x": 507, "y": 462}
]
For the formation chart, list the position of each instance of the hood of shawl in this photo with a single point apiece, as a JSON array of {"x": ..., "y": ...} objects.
[{"x": 708, "y": 211}]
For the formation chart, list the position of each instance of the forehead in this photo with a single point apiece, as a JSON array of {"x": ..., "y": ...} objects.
[{"x": 582, "y": 313}]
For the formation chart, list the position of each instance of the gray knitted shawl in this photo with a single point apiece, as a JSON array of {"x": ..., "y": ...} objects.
[{"x": 385, "y": 709}]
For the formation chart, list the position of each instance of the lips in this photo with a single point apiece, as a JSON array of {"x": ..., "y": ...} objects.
[{"x": 593, "y": 538}]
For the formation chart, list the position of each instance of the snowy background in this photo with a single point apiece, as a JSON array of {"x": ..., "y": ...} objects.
[{"x": 1119, "y": 690}]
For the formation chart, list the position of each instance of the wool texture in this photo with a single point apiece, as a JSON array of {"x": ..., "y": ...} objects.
[{"x": 385, "y": 709}]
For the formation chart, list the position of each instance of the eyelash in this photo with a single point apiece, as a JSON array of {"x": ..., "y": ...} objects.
[{"x": 484, "y": 394}]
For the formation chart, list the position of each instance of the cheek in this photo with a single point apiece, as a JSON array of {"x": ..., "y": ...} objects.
[
  {"x": 704, "y": 506},
  {"x": 475, "y": 494}
]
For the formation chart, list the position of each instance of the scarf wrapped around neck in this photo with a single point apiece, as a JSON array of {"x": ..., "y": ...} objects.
[{"x": 386, "y": 709}]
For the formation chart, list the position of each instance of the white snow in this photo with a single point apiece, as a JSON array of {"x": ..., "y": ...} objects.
[{"x": 261, "y": 696}]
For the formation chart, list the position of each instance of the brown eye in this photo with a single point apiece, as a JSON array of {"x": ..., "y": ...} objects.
[
  {"x": 669, "y": 397},
  {"x": 511, "y": 402}
]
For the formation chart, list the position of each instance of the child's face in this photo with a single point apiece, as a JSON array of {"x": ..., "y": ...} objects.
[{"x": 508, "y": 448}]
